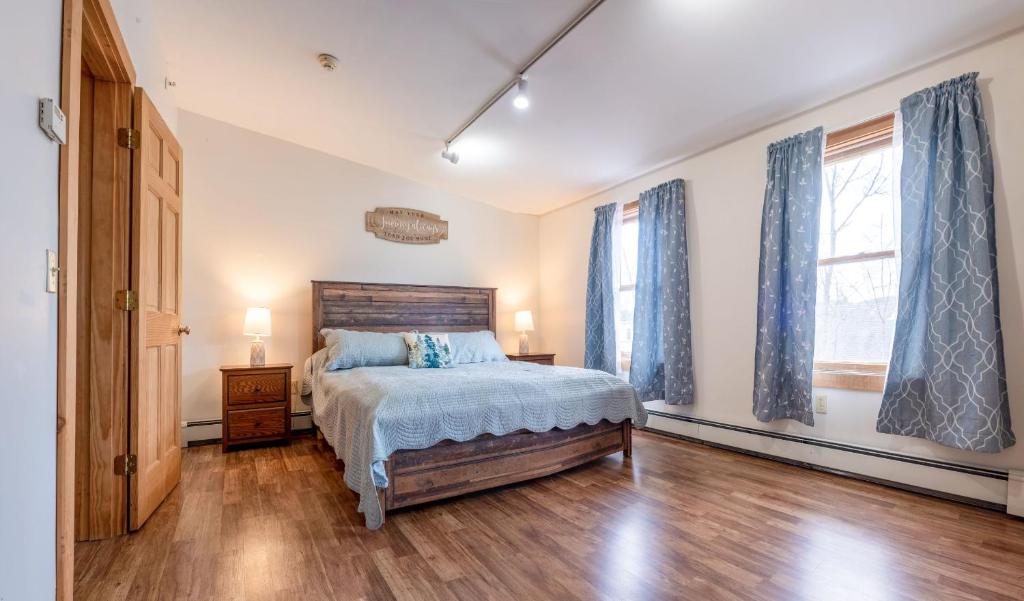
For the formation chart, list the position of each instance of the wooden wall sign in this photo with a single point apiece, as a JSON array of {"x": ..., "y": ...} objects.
[{"x": 406, "y": 225}]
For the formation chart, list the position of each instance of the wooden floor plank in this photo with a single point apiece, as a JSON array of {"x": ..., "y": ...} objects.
[{"x": 677, "y": 521}]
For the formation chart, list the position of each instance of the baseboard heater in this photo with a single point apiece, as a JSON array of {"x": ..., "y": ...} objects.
[
  {"x": 839, "y": 446},
  {"x": 217, "y": 422}
]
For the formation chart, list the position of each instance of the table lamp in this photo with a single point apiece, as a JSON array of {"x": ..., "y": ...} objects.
[
  {"x": 257, "y": 323},
  {"x": 524, "y": 323}
]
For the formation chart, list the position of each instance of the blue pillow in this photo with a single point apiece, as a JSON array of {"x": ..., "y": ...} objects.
[
  {"x": 475, "y": 347},
  {"x": 428, "y": 350},
  {"x": 348, "y": 349}
]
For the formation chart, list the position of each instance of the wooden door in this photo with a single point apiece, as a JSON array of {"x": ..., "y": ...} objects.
[
  {"x": 155, "y": 372},
  {"x": 104, "y": 218}
]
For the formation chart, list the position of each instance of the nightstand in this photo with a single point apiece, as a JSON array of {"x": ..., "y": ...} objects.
[
  {"x": 540, "y": 358},
  {"x": 256, "y": 404}
]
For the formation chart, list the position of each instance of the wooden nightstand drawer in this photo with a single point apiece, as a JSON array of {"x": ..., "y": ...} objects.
[
  {"x": 257, "y": 388},
  {"x": 244, "y": 424}
]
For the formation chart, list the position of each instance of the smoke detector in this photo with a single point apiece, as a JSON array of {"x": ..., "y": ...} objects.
[{"x": 328, "y": 61}]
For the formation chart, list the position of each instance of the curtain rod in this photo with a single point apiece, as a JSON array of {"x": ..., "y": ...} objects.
[{"x": 522, "y": 70}]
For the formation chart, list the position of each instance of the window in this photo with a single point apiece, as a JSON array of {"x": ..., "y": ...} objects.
[
  {"x": 629, "y": 242},
  {"x": 857, "y": 269}
]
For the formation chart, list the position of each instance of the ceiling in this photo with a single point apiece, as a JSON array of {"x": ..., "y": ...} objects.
[{"x": 637, "y": 84}]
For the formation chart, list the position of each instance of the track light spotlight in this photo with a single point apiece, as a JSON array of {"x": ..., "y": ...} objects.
[
  {"x": 450, "y": 155},
  {"x": 521, "y": 101}
]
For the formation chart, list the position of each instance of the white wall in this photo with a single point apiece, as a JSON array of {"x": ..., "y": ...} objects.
[
  {"x": 137, "y": 21},
  {"x": 263, "y": 217},
  {"x": 724, "y": 194},
  {"x": 28, "y": 338}
]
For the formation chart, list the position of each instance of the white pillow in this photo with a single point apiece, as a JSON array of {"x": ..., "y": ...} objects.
[
  {"x": 348, "y": 349},
  {"x": 475, "y": 347}
]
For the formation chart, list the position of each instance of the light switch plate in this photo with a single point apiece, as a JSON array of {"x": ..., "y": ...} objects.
[
  {"x": 52, "y": 271},
  {"x": 821, "y": 403}
]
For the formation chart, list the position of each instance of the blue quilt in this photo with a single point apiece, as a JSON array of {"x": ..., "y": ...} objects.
[{"x": 367, "y": 413}]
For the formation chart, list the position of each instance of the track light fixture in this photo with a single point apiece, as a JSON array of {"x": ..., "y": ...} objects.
[
  {"x": 450, "y": 155},
  {"x": 521, "y": 101}
]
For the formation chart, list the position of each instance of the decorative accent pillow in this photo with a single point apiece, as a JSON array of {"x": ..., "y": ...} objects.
[
  {"x": 475, "y": 347},
  {"x": 428, "y": 350},
  {"x": 348, "y": 349}
]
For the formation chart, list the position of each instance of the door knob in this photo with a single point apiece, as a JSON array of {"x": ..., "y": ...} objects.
[{"x": 184, "y": 330}]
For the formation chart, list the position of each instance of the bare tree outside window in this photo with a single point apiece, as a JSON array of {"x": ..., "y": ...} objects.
[
  {"x": 857, "y": 271},
  {"x": 629, "y": 240}
]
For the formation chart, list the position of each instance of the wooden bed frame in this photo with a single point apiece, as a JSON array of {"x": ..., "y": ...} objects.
[{"x": 449, "y": 468}]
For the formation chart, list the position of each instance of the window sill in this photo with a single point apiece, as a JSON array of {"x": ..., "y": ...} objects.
[{"x": 868, "y": 377}]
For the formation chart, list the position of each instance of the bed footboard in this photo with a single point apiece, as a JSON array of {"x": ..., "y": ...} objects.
[{"x": 449, "y": 469}]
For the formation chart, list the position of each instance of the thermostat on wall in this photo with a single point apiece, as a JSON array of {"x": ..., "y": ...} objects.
[{"x": 52, "y": 120}]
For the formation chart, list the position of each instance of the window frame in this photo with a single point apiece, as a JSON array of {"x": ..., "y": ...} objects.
[{"x": 860, "y": 139}]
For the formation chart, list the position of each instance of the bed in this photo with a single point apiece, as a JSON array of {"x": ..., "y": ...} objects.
[{"x": 411, "y": 436}]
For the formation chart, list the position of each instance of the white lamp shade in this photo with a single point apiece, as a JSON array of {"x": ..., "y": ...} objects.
[
  {"x": 524, "y": 321},
  {"x": 257, "y": 321}
]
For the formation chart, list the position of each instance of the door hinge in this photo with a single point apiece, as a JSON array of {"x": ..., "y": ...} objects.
[
  {"x": 126, "y": 465},
  {"x": 127, "y": 300},
  {"x": 128, "y": 138}
]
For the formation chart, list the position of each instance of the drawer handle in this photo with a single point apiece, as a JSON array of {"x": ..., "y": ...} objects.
[
  {"x": 257, "y": 423},
  {"x": 257, "y": 389}
]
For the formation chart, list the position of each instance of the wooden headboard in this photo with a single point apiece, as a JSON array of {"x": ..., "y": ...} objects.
[{"x": 400, "y": 308}]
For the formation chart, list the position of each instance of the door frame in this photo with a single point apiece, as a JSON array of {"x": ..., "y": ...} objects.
[{"x": 88, "y": 29}]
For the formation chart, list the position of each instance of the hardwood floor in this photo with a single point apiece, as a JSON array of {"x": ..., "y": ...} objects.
[{"x": 677, "y": 521}]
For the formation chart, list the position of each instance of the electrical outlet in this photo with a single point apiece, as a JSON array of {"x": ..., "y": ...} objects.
[
  {"x": 295, "y": 387},
  {"x": 821, "y": 403}
]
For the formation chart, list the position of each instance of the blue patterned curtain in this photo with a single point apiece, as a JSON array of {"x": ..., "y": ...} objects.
[
  {"x": 947, "y": 379},
  {"x": 662, "y": 357},
  {"x": 784, "y": 356},
  {"x": 599, "y": 343}
]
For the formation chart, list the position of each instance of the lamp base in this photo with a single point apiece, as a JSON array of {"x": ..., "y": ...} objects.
[
  {"x": 257, "y": 354},
  {"x": 524, "y": 344}
]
